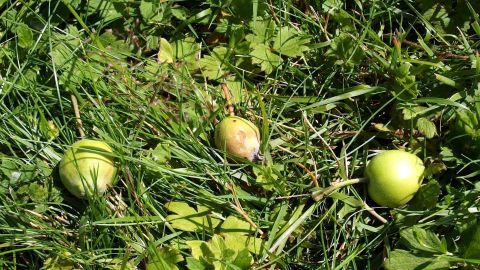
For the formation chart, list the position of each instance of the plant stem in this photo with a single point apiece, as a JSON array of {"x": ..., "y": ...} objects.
[
  {"x": 227, "y": 97},
  {"x": 77, "y": 116},
  {"x": 320, "y": 194}
]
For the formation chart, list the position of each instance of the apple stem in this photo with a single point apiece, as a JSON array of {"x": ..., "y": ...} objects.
[
  {"x": 320, "y": 194},
  {"x": 227, "y": 97},
  {"x": 77, "y": 116}
]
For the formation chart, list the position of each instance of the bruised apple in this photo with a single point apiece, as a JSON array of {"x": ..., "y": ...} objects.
[{"x": 238, "y": 137}]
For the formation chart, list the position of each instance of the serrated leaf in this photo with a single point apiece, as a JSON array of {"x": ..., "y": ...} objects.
[
  {"x": 180, "y": 13},
  {"x": 426, "y": 127},
  {"x": 288, "y": 42},
  {"x": 344, "y": 48},
  {"x": 263, "y": 31},
  {"x": 165, "y": 52},
  {"x": 220, "y": 249},
  {"x": 403, "y": 260},
  {"x": 214, "y": 66},
  {"x": 411, "y": 112},
  {"x": 214, "y": 249},
  {"x": 422, "y": 240},
  {"x": 263, "y": 55}
]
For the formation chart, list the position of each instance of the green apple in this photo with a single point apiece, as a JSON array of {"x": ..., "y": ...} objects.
[
  {"x": 394, "y": 176},
  {"x": 86, "y": 167},
  {"x": 238, "y": 137}
]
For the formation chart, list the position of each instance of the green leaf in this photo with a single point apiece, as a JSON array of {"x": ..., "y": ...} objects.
[
  {"x": 426, "y": 127},
  {"x": 263, "y": 31},
  {"x": 48, "y": 129},
  {"x": 25, "y": 36},
  {"x": 245, "y": 8},
  {"x": 214, "y": 66},
  {"x": 165, "y": 52},
  {"x": 108, "y": 10},
  {"x": 237, "y": 90},
  {"x": 403, "y": 260},
  {"x": 239, "y": 242},
  {"x": 220, "y": 249},
  {"x": 422, "y": 240},
  {"x": 263, "y": 55},
  {"x": 180, "y": 13},
  {"x": 196, "y": 247},
  {"x": 243, "y": 260},
  {"x": 190, "y": 220},
  {"x": 288, "y": 42},
  {"x": 161, "y": 153},
  {"x": 234, "y": 225},
  {"x": 147, "y": 9},
  {"x": 195, "y": 264},
  {"x": 426, "y": 197},
  {"x": 470, "y": 242},
  {"x": 346, "y": 50},
  {"x": 165, "y": 258},
  {"x": 186, "y": 50},
  {"x": 180, "y": 208}
]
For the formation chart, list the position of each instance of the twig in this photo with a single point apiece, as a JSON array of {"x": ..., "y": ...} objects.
[
  {"x": 227, "y": 97},
  {"x": 442, "y": 55},
  {"x": 314, "y": 178},
  {"x": 320, "y": 194},
  {"x": 374, "y": 213},
  {"x": 77, "y": 116},
  {"x": 238, "y": 207}
]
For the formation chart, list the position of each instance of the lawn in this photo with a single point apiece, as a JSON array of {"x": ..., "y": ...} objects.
[{"x": 320, "y": 87}]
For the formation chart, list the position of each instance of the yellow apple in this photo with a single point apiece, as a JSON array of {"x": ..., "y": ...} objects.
[{"x": 86, "y": 167}]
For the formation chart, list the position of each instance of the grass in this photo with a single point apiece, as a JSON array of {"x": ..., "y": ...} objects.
[{"x": 369, "y": 71}]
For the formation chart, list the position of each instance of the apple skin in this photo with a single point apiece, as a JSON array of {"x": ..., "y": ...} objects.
[
  {"x": 394, "y": 176},
  {"x": 238, "y": 137},
  {"x": 82, "y": 162}
]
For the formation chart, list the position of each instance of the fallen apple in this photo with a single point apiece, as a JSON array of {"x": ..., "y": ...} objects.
[
  {"x": 87, "y": 167},
  {"x": 239, "y": 137},
  {"x": 394, "y": 176}
]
